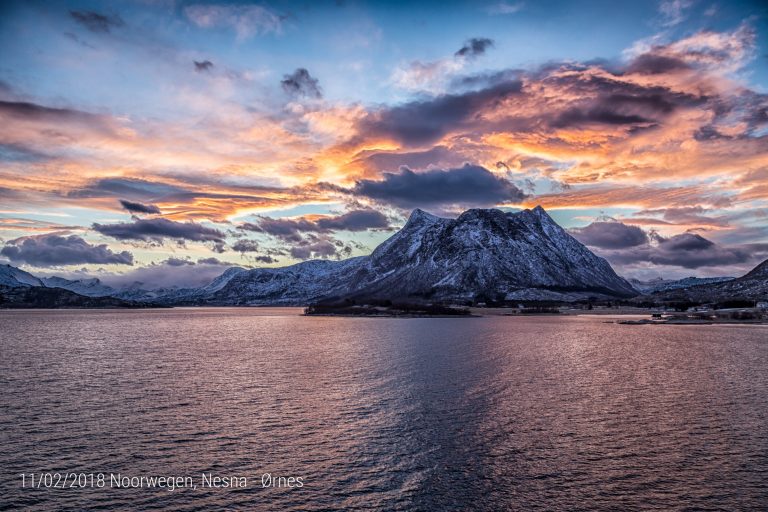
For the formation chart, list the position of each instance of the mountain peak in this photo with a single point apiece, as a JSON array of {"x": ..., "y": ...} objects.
[{"x": 419, "y": 216}]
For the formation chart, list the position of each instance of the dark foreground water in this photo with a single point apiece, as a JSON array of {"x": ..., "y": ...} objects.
[{"x": 493, "y": 413}]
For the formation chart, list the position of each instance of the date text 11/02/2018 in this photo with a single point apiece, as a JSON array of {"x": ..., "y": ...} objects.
[{"x": 67, "y": 480}]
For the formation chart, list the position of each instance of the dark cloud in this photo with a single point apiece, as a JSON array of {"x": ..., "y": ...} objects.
[
  {"x": 474, "y": 47},
  {"x": 619, "y": 109},
  {"x": 139, "y": 207},
  {"x": 156, "y": 230},
  {"x": 96, "y": 22},
  {"x": 356, "y": 220},
  {"x": 470, "y": 185},
  {"x": 316, "y": 248},
  {"x": 687, "y": 250},
  {"x": 290, "y": 230},
  {"x": 649, "y": 64},
  {"x": 244, "y": 246},
  {"x": 311, "y": 238},
  {"x": 209, "y": 261},
  {"x": 178, "y": 262},
  {"x": 610, "y": 235},
  {"x": 264, "y": 259},
  {"x": 621, "y": 244},
  {"x": 135, "y": 189},
  {"x": 301, "y": 83},
  {"x": 205, "y": 65},
  {"x": 34, "y": 112},
  {"x": 424, "y": 122},
  {"x": 52, "y": 250},
  {"x": 485, "y": 79}
]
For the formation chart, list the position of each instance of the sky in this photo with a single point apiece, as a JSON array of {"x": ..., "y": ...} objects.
[{"x": 162, "y": 141}]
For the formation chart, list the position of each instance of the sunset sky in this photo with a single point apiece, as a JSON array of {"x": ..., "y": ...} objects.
[{"x": 163, "y": 140}]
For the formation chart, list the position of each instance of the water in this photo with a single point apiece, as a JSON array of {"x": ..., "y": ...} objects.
[{"x": 493, "y": 413}]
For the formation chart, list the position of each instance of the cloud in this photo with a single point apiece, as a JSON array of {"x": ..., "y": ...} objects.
[
  {"x": 201, "y": 66},
  {"x": 686, "y": 215},
  {"x": 650, "y": 64},
  {"x": 96, "y": 22},
  {"x": 134, "y": 188},
  {"x": 434, "y": 76},
  {"x": 624, "y": 245},
  {"x": 26, "y": 111},
  {"x": 246, "y": 20},
  {"x": 687, "y": 250},
  {"x": 427, "y": 76},
  {"x": 140, "y": 207},
  {"x": 356, "y": 220},
  {"x": 673, "y": 11},
  {"x": 423, "y": 122},
  {"x": 168, "y": 274},
  {"x": 209, "y": 261},
  {"x": 312, "y": 237},
  {"x": 718, "y": 52},
  {"x": 470, "y": 185},
  {"x": 505, "y": 7},
  {"x": 301, "y": 83},
  {"x": 243, "y": 246},
  {"x": 52, "y": 250},
  {"x": 156, "y": 230},
  {"x": 317, "y": 247},
  {"x": 610, "y": 235},
  {"x": 178, "y": 262},
  {"x": 290, "y": 230},
  {"x": 474, "y": 47}
]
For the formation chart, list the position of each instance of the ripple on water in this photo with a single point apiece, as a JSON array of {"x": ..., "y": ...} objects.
[{"x": 494, "y": 413}]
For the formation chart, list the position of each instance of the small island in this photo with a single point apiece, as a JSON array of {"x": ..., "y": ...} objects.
[{"x": 385, "y": 308}]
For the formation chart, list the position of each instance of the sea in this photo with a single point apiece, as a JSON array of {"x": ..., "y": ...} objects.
[{"x": 266, "y": 409}]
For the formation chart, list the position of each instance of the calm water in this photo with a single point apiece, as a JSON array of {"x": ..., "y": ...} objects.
[{"x": 493, "y": 413}]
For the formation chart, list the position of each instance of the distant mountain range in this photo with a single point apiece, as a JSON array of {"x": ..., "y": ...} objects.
[
  {"x": 20, "y": 289},
  {"x": 663, "y": 285},
  {"x": 752, "y": 286},
  {"x": 481, "y": 256}
]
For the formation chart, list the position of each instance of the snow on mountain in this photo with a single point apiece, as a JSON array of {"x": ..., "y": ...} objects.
[
  {"x": 14, "y": 277},
  {"x": 660, "y": 285},
  {"x": 753, "y": 286},
  {"x": 481, "y": 255},
  {"x": 88, "y": 287}
]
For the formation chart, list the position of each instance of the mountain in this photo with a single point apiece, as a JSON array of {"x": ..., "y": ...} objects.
[
  {"x": 13, "y": 277},
  {"x": 55, "y": 298},
  {"x": 480, "y": 256},
  {"x": 661, "y": 285},
  {"x": 89, "y": 287},
  {"x": 752, "y": 286},
  {"x": 20, "y": 289},
  {"x": 179, "y": 296}
]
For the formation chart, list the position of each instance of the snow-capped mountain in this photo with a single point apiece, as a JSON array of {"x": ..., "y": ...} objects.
[
  {"x": 14, "y": 277},
  {"x": 140, "y": 292},
  {"x": 661, "y": 285},
  {"x": 752, "y": 286},
  {"x": 20, "y": 289},
  {"x": 88, "y": 287},
  {"x": 482, "y": 255}
]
